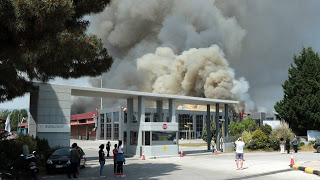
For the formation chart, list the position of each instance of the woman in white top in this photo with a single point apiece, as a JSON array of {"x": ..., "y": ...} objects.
[
  {"x": 282, "y": 146},
  {"x": 120, "y": 159}
]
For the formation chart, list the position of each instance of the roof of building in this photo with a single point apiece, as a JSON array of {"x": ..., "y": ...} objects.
[
  {"x": 125, "y": 94},
  {"x": 25, "y": 124},
  {"x": 88, "y": 115}
]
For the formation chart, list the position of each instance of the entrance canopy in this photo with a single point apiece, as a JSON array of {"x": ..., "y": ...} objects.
[
  {"x": 50, "y": 108},
  {"x": 125, "y": 94}
]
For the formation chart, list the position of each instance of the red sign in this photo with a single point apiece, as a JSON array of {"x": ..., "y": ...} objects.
[{"x": 164, "y": 126}]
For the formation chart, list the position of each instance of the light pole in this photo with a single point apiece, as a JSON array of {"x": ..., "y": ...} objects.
[{"x": 189, "y": 126}]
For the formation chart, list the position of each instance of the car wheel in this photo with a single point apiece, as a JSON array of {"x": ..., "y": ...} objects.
[{"x": 318, "y": 149}]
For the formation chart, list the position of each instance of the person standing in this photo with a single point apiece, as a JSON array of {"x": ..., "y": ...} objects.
[
  {"x": 120, "y": 159},
  {"x": 295, "y": 144},
  {"x": 212, "y": 144},
  {"x": 239, "y": 153},
  {"x": 74, "y": 159},
  {"x": 115, "y": 152},
  {"x": 288, "y": 145},
  {"x": 108, "y": 145},
  {"x": 101, "y": 159},
  {"x": 282, "y": 146}
]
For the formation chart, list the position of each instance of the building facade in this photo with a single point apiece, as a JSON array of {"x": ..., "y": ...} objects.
[{"x": 83, "y": 126}]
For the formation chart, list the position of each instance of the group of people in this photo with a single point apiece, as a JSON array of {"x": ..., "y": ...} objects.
[
  {"x": 74, "y": 167},
  {"x": 287, "y": 144},
  {"x": 118, "y": 158}
]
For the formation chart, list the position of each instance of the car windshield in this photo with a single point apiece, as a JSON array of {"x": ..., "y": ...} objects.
[{"x": 62, "y": 152}]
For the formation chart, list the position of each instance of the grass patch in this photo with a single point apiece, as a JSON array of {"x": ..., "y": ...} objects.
[
  {"x": 306, "y": 148},
  {"x": 194, "y": 144}
]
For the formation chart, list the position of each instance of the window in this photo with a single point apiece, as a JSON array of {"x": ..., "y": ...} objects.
[
  {"x": 116, "y": 117},
  {"x": 125, "y": 116},
  {"x": 102, "y": 126},
  {"x": 166, "y": 117},
  {"x": 108, "y": 131},
  {"x": 184, "y": 119},
  {"x": 82, "y": 121},
  {"x": 116, "y": 132},
  {"x": 156, "y": 118},
  {"x": 135, "y": 114},
  {"x": 163, "y": 138},
  {"x": 133, "y": 137},
  {"x": 124, "y": 137},
  {"x": 148, "y": 117},
  {"x": 108, "y": 117},
  {"x": 146, "y": 138},
  {"x": 199, "y": 128}
]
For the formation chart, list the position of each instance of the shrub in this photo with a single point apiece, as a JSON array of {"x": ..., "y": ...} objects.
[
  {"x": 282, "y": 131},
  {"x": 260, "y": 138},
  {"x": 267, "y": 129},
  {"x": 27, "y": 140},
  {"x": 247, "y": 137}
]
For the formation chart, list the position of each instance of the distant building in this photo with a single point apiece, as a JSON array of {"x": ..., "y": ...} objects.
[{"x": 83, "y": 126}]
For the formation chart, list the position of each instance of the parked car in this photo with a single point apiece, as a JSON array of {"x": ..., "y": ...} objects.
[
  {"x": 317, "y": 146},
  {"x": 60, "y": 159}
]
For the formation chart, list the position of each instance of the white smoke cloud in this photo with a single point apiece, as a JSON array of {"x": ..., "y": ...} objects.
[{"x": 171, "y": 46}]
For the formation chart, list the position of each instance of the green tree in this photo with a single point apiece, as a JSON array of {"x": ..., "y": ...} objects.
[
  {"x": 300, "y": 104},
  {"x": 239, "y": 126},
  {"x": 15, "y": 117},
  {"x": 40, "y": 40},
  {"x": 212, "y": 131}
]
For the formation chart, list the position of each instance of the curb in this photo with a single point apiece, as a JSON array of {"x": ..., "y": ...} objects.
[{"x": 305, "y": 169}]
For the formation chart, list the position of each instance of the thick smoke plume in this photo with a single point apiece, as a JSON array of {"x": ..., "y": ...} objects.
[{"x": 171, "y": 46}]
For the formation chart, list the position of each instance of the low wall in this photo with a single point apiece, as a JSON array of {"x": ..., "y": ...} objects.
[{"x": 160, "y": 151}]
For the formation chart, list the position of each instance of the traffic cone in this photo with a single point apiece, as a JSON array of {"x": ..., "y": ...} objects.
[
  {"x": 292, "y": 160},
  {"x": 181, "y": 154},
  {"x": 216, "y": 152},
  {"x": 143, "y": 157}
]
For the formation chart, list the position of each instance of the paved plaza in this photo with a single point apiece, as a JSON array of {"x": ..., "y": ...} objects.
[{"x": 196, "y": 164}]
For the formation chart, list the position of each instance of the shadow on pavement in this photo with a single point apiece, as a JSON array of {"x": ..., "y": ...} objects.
[
  {"x": 260, "y": 175},
  {"x": 133, "y": 171}
]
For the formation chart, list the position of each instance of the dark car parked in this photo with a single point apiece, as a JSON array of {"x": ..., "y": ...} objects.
[
  {"x": 60, "y": 159},
  {"x": 317, "y": 146}
]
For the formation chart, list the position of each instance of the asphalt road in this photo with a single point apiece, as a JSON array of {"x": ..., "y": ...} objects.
[{"x": 196, "y": 164}]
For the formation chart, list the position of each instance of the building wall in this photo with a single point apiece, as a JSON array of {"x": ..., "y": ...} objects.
[{"x": 81, "y": 130}]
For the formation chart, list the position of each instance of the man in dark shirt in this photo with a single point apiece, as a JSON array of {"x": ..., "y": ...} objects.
[
  {"x": 101, "y": 159},
  {"x": 74, "y": 159}
]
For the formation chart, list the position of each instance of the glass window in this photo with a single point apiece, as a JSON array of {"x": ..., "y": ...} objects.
[
  {"x": 166, "y": 117},
  {"x": 124, "y": 137},
  {"x": 148, "y": 117},
  {"x": 116, "y": 117},
  {"x": 125, "y": 116},
  {"x": 164, "y": 138},
  {"x": 135, "y": 117},
  {"x": 102, "y": 126},
  {"x": 116, "y": 132},
  {"x": 199, "y": 128},
  {"x": 108, "y": 131},
  {"x": 156, "y": 118},
  {"x": 184, "y": 119},
  {"x": 133, "y": 137},
  {"x": 147, "y": 138},
  {"x": 108, "y": 117}
]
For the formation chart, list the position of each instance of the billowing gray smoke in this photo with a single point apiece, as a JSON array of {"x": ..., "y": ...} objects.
[{"x": 172, "y": 46}]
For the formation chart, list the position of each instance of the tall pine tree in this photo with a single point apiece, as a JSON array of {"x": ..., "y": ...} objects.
[
  {"x": 43, "y": 39},
  {"x": 300, "y": 106}
]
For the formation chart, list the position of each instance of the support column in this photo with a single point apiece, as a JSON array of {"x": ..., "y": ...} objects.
[
  {"x": 208, "y": 127},
  {"x": 159, "y": 111},
  {"x": 130, "y": 110},
  {"x": 141, "y": 119},
  {"x": 141, "y": 109},
  {"x": 226, "y": 121},
  {"x": 172, "y": 110},
  {"x": 217, "y": 127},
  {"x": 105, "y": 126}
]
